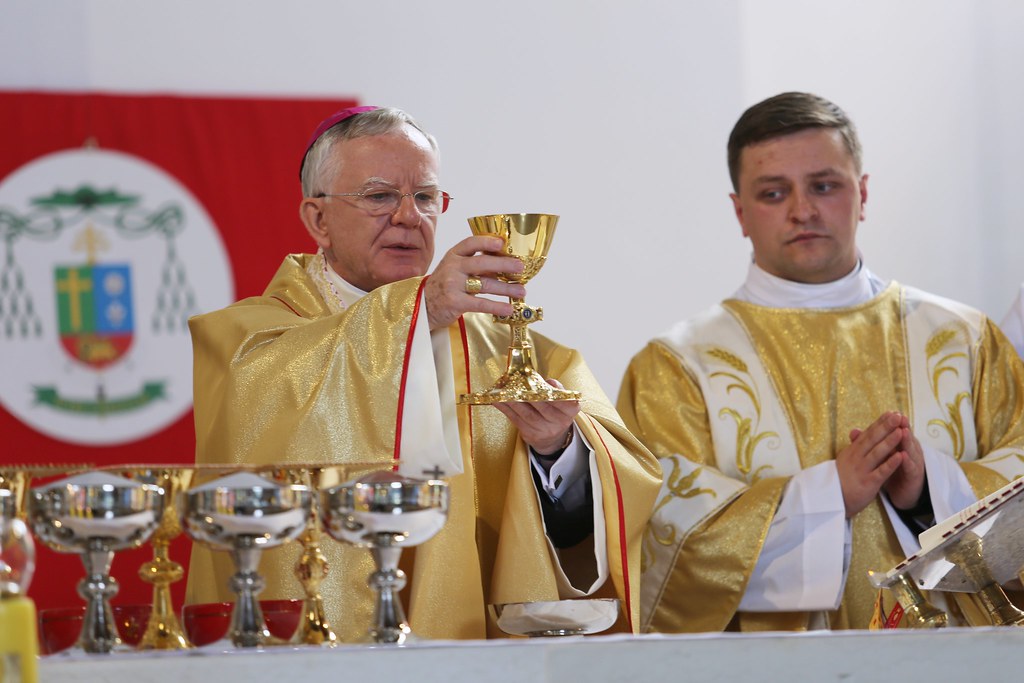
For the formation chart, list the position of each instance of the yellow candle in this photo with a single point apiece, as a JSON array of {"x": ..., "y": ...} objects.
[{"x": 19, "y": 646}]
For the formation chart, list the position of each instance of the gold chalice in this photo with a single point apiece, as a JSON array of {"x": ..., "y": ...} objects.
[
  {"x": 528, "y": 237},
  {"x": 164, "y": 631},
  {"x": 312, "y": 567}
]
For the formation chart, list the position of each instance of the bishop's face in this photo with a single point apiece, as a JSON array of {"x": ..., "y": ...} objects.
[
  {"x": 800, "y": 199},
  {"x": 366, "y": 250}
]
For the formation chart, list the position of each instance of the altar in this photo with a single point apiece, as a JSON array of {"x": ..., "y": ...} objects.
[{"x": 851, "y": 656}]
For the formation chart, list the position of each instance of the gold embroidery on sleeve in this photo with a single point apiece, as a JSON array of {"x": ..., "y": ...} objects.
[
  {"x": 747, "y": 436},
  {"x": 938, "y": 367},
  {"x": 678, "y": 487}
]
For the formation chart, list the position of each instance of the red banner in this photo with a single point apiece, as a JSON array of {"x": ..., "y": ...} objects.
[{"x": 184, "y": 163}]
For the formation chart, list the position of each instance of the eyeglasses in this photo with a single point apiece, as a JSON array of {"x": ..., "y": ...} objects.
[{"x": 385, "y": 201}]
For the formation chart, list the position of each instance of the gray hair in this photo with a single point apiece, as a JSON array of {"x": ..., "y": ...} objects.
[{"x": 320, "y": 165}]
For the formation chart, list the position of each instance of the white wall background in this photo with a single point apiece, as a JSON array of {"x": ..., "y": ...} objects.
[{"x": 614, "y": 115}]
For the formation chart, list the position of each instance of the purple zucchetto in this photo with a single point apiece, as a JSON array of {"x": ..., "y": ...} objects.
[{"x": 332, "y": 120}]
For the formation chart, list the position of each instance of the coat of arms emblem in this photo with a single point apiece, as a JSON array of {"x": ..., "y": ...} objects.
[{"x": 105, "y": 258}]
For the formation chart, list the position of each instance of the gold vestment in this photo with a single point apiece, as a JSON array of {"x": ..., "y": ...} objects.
[
  {"x": 280, "y": 378},
  {"x": 737, "y": 400}
]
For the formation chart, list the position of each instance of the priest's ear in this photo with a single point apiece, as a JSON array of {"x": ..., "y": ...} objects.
[
  {"x": 737, "y": 207},
  {"x": 311, "y": 211}
]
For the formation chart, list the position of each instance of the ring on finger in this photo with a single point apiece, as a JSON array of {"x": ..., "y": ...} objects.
[{"x": 474, "y": 285}]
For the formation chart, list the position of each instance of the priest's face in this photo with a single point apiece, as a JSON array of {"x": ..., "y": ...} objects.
[
  {"x": 800, "y": 199},
  {"x": 366, "y": 249}
]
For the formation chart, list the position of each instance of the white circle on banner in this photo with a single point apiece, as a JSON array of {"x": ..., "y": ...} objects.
[{"x": 105, "y": 257}]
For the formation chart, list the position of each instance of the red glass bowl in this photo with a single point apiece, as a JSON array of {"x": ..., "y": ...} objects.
[
  {"x": 208, "y": 622},
  {"x": 60, "y": 627}
]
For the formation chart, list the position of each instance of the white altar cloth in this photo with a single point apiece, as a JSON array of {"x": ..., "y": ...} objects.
[{"x": 850, "y": 656}]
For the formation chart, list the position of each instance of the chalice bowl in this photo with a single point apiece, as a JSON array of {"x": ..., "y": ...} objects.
[
  {"x": 163, "y": 631},
  {"x": 245, "y": 514},
  {"x": 527, "y": 237},
  {"x": 386, "y": 512},
  {"x": 95, "y": 514}
]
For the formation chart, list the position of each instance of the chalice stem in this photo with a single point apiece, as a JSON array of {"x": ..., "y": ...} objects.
[
  {"x": 247, "y": 626},
  {"x": 314, "y": 629},
  {"x": 520, "y": 360},
  {"x": 520, "y": 336},
  {"x": 388, "y": 580},
  {"x": 520, "y": 351},
  {"x": 97, "y": 588},
  {"x": 163, "y": 632}
]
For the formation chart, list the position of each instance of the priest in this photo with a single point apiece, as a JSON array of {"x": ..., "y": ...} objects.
[
  {"x": 353, "y": 355},
  {"x": 813, "y": 423}
]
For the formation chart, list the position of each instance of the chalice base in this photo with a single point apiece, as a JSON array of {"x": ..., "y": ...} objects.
[
  {"x": 255, "y": 640},
  {"x": 523, "y": 386},
  {"x": 314, "y": 628},
  {"x": 164, "y": 635},
  {"x": 390, "y": 627},
  {"x": 556, "y": 633},
  {"x": 390, "y": 636},
  {"x": 248, "y": 628}
]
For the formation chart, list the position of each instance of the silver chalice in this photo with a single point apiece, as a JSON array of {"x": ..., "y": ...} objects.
[
  {"x": 95, "y": 514},
  {"x": 245, "y": 514},
  {"x": 386, "y": 512}
]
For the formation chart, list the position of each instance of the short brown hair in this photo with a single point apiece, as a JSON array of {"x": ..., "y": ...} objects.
[{"x": 785, "y": 114}]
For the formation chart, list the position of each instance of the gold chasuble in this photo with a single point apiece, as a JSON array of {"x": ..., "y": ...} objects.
[
  {"x": 736, "y": 401},
  {"x": 289, "y": 377}
]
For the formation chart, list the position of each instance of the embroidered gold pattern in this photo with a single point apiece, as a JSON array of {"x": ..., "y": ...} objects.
[
  {"x": 747, "y": 435},
  {"x": 939, "y": 363},
  {"x": 678, "y": 487}
]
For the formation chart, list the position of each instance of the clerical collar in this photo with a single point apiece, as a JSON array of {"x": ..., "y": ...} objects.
[
  {"x": 764, "y": 289},
  {"x": 336, "y": 291},
  {"x": 345, "y": 290}
]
